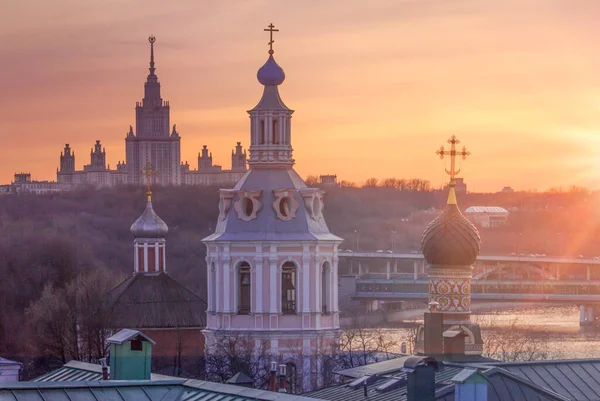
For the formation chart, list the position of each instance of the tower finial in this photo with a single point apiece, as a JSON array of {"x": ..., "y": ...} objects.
[
  {"x": 271, "y": 41},
  {"x": 149, "y": 172},
  {"x": 152, "y": 39},
  {"x": 453, "y": 141}
]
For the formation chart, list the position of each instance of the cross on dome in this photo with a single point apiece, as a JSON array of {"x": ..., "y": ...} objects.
[
  {"x": 453, "y": 141},
  {"x": 149, "y": 172},
  {"x": 271, "y": 41}
]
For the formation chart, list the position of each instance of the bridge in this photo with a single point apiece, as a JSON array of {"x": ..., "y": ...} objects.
[{"x": 495, "y": 278}]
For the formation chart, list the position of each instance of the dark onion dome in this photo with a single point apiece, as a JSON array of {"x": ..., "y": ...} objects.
[
  {"x": 270, "y": 73},
  {"x": 451, "y": 239},
  {"x": 149, "y": 225}
]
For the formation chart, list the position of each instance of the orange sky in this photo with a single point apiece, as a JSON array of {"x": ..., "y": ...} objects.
[{"x": 377, "y": 85}]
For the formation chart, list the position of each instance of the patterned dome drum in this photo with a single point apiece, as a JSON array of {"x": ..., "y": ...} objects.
[{"x": 451, "y": 239}]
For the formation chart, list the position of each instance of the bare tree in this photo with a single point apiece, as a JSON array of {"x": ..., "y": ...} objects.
[
  {"x": 510, "y": 342},
  {"x": 233, "y": 353},
  {"x": 361, "y": 345}
]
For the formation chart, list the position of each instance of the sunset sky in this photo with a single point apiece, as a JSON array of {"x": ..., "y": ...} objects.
[{"x": 377, "y": 85}]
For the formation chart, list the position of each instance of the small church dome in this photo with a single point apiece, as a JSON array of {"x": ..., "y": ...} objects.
[
  {"x": 270, "y": 73},
  {"x": 451, "y": 239},
  {"x": 149, "y": 225}
]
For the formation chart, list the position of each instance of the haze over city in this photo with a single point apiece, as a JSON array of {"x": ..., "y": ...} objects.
[{"x": 376, "y": 88}]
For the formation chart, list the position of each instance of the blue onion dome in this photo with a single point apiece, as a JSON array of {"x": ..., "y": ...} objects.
[
  {"x": 149, "y": 225},
  {"x": 270, "y": 73},
  {"x": 451, "y": 239}
]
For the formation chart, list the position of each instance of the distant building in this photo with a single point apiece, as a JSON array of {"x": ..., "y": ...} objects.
[
  {"x": 507, "y": 190},
  {"x": 23, "y": 183},
  {"x": 209, "y": 174},
  {"x": 96, "y": 173},
  {"x": 487, "y": 216},
  {"x": 460, "y": 188},
  {"x": 150, "y": 142},
  {"x": 329, "y": 180}
]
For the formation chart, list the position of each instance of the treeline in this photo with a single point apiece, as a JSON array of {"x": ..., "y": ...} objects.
[{"x": 65, "y": 249}]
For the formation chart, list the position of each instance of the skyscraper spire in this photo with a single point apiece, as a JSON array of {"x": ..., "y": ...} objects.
[{"x": 152, "y": 39}]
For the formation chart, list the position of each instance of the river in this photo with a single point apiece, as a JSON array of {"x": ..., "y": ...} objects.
[{"x": 557, "y": 326}]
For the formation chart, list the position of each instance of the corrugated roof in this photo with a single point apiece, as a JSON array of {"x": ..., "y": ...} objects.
[
  {"x": 504, "y": 386},
  {"x": 154, "y": 301},
  {"x": 578, "y": 379},
  {"x": 74, "y": 371},
  {"x": 70, "y": 385}
]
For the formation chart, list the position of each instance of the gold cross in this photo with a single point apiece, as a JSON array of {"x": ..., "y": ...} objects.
[
  {"x": 271, "y": 41},
  {"x": 149, "y": 172},
  {"x": 452, "y": 153}
]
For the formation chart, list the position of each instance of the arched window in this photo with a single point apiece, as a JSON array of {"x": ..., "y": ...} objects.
[
  {"x": 291, "y": 377},
  {"x": 325, "y": 287},
  {"x": 212, "y": 285},
  {"x": 261, "y": 133},
  {"x": 275, "y": 133},
  {"x": 288, "y": 288},
  {"x": 243, "y": 295}
]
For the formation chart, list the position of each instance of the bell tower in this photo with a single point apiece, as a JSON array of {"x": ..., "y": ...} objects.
[{"x": 272, "y": 261}]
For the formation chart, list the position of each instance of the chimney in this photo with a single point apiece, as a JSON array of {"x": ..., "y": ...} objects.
[
  {"x": 282, "y": 383},
  {"x": 104, "y": 368},
  {"x": 454, "y": 342},
  {"x": 470, "y": 385},
  {"x": 273, "y": 377},
  {"x": 433, "y": 331},
  {"x": 420, "y": 375},
  {"x": 130, "y": 355}
]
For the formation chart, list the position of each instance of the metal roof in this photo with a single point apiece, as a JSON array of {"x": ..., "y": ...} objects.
[
  {"x": 74, "y": 371},
  {"x": 578, "y": 379},
  {"x": 7, "y": 362},
  {"x": 266, "y": 226},
  {"x": 486, "y": 209},
  {"x": 69, "y": 384},
  {"x": 126, "y": 335}
]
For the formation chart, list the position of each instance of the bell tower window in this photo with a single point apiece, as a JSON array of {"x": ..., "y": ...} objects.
[
  {"x": 275, "y": 133},
  {"x": 325, "y": 287},
  {"x": 244, "y": 281},
  {"x": 261, "y": 134},
  {"x": 288, "y": 288}
]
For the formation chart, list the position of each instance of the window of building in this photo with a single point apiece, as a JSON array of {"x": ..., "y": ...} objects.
[
  {"x": 288, "y": 288},
  {"x": 213, "y": 287},
  {"x": 244, "y": 281},
  {"x": 136, "y": 344},
  {"x": 291, "y": 377},
  {"x": 325, "y": 287}
]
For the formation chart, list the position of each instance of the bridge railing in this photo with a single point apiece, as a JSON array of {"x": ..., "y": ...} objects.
[{"x": 494, "y": 287}]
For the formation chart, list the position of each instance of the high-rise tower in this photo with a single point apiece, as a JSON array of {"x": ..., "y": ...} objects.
[
  {"x": 152, "y": 141},
  {"x": 272, "y": 262}
]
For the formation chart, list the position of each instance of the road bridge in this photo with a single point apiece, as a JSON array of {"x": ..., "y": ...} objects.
[{"x": 495, "y": 278}]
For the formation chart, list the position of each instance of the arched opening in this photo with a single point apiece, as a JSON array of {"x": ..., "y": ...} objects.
[
  {"x": 212, "y": 285},
  {"x": 244, "y": 281},
  {"x": 261, "y": 134},
  {"x": 288, "y": 288},
  {"x": 325, "y": 287},
  {"x": 275, "y": 136},
  {"x": 247, "y": 206},
  {"x": 285, "y": 206},
  {"x": 291, "y": 378}
]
